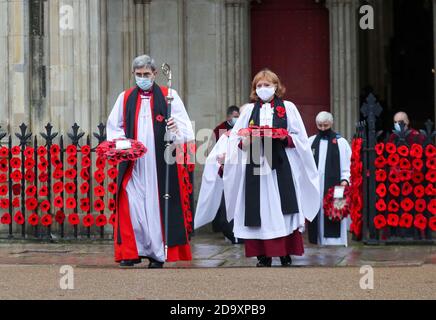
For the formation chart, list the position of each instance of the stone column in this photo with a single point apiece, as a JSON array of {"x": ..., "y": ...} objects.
[{"x": 344, "y": 64}]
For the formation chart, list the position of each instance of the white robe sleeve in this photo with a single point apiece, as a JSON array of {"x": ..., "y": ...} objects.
[
  {"x": 178, "y": 112},
  {"x": 114, "y": 126},
  {"x": 345, "y": 158}
]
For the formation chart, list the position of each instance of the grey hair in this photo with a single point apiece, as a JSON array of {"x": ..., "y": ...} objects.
[
  {"x": 143, "y": 61},
  {"x": 324, "y": 116}
]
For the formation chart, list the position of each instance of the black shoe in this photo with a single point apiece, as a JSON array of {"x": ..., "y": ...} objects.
[
  {"x": 129, "y": 263},
  {"x": 155, "y": 265},
  {"x": 286, "y": 261},
  {"x": 263, "y": 262}
]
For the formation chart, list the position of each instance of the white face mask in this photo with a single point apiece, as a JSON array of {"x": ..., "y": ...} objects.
[
  {"x": 397, "y": 127},
  {"x": 233, "y": 121},
  {"x": 265, "y": 93}
]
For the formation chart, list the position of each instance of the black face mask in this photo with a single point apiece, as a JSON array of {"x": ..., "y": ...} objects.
[{"x": 325, "y": 133}]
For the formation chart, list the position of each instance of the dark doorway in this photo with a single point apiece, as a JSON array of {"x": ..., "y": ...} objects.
[{"x": 412, "y": 60}]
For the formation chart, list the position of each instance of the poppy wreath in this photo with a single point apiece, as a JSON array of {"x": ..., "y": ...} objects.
[
  {"x": 407, "y": 204},
  {"x": 379, "y": 221},
  {"x": 379, "y": 148},
  {"x": 431, "y": 207},
  {"x": 73, "y": 219},
  {"x": 390, "y": 148},
  {"x": 432, "y": 223},
  {"x": 416, "y": 151},
  {"x": 420, "y": 221},
  {"x": 393, "y": 206},
  {"x": 381, "y": 190},
  {"x": 101, "y": 220},
  {"x": 88, "y": 220},
  {"x": 356, "y": 186},
  {"x": 19, "y": 218},
  {"x": 263, "y": 131},
  {"x": 46, "y": 220},
  {"x": 420, "y": 205},
  {"x": 403, "y": 151},
  {"x": 430, "y": 151},
  {"x": 112, "y": 219},
  {"x": 394, "y": 190},
  {"x": 393, "y": 220},
  {"x": 431, "y": 163},
  {"x": 406, "y": 220},
  {"x": 33, "y": 219},
  {"x": 107, "y": 150},
  {"x": 338, "y": 209},
  {"x": 60, "y": 217},
  {"x": 6, "y": 218}
]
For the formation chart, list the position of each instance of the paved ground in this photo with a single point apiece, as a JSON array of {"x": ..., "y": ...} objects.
[{"x": 219, "y": 271}]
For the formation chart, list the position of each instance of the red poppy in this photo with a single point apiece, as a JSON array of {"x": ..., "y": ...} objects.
[
  {"x": 431, "y": 207},
  {"x": 29, "y": 175},
  {"x": 430, "y": 151},
  {"x": 45, "y": 206},
  {"x": 29, "y": 152},
  {"x": 15, "y": 163},
  {"x": 84, "y": 188},
  {"x": 379, "y": 148},
  {"x": 4, "y": 152},
  {"x": 112, "y": 162},
  {"x": 85, "y": 205},
  {"x": 58, "y": 174},
  {"x": 407, "y": 204},
  {"x": 416, "y": 151},
  {"x": 86, "y": 162},
  {"x": 60, "y": 217},
  {"x": 405, "y": 164},
  {"x": 379, "y": 221},
  {"x": 70, "y": 174},
  {"x": 112, "y": 187},
  {"x": 3, "y": 190},
  {"x": 380, "y": 205},
  {"x": 111, "y": 205},
  {"x": 56, "y": 162},
  {"x": 29, "y": 163},
  {"x": 84, "y": 174},
  {"x": 405, "y": 175},
  {"x": 417, "y": 177},
  {"x": 33, "y": 219},
  {"x": 98, "y": 205},
  {"x": 43, "y": 177},
  {"x": 58, "y": 202},
  {"x": 430, "y": 190},
  {"x": 88, "y": 220},
  {"x": 85, "y": 150},
  {"x": 99, "y": 191},
  {"x": 100, "y": 163},
  {"x": 16, "y": 202},
  {"x": 31, "y": 204},
  {"x": 380, "y": 190},
  {"x": 15, "y": 150},
  {"x": 393, "y": 160},
  {"x": 99, "y": 176},
  {"x": 72, "y": 150},
  {"x": 72, "y": 160},
  {"x": 42, "y": 151},
  {"x": 417, "y": 164},
  {"x": 16, "y": 176},
  {"x": 393, "y": 220},
  {"x": 432, "y": 223},
  {"x": 393, "y": 206},
  {"x": 112, "y": 173},
  {"x": 403, "y": 151},
  {"x": 420, "y": 221},
  {"x": 19, "y": 218},
  {"x": 406, "y": 220},
  {"x": 46, "y": 220},
  {"x": 390, "y": 147},
  {"x": 394, "y": 190},
  {"x": 4, "y": 203},
  {"x": 6, "y": 218},
  {"x": 160, "y": 118},
  {"x": 113, "y": 219},
  {"x": 43, "y": 164},
  {"x": 70, "y": 188},
  {"x": 55, "y": 150},
  {"x": 394, "y": 176},
  {"x": 281, "y": 112},
  {"x": 73, "y": 219},
  {"x": 43, "y": 191},
  {"x": 431, "y": 163},
  {"x": 101, "y": 220},
  {"x": 71, "y": 203},
  {"x": 3, "y": 165},
  {"x": 431, "y": 176},
  {"x": 3, "y": 178},
  {"x": 58, "y": 187},
  {"x": 380, "y": 162},
  {"x": 419, "y": 191},
  {"x": 16, "y": 189},
  {"x": 420, "y": 205}
]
